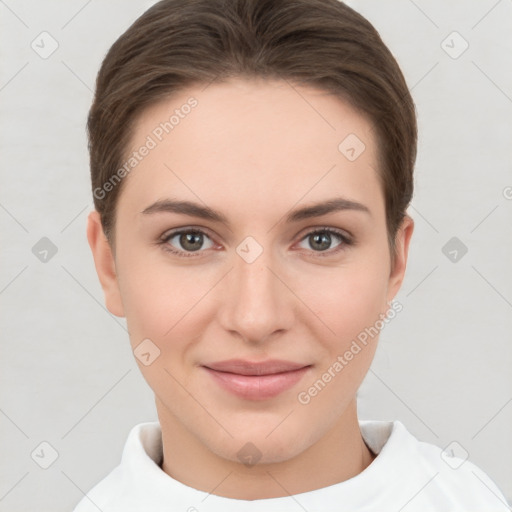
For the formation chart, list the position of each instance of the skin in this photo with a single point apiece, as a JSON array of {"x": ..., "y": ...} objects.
[{"x": 254, "y": 151}]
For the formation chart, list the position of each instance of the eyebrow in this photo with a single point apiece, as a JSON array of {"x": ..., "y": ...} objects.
[{"x": 204, "y": 212}]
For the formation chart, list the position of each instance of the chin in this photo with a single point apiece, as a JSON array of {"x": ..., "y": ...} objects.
[{"x": 260, "y": 445}]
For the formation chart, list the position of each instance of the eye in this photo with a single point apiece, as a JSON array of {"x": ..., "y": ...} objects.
[
  {"x": 324, "y": 240},
  {"x": 187, "y": 241},
  {"x": 192, "y": 242}
]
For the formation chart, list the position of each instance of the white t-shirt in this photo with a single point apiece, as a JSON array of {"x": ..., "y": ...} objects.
[{"x": 406, "y": 475}]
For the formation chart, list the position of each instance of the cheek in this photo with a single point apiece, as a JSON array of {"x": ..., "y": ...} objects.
[
  {"x": 163, "y": 304},
  {"x": 347, "y": 299},
  {"x": 159, "y": 299}
]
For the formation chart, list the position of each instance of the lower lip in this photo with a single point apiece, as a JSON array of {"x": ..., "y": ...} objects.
[{"x": 257, "y": 387}]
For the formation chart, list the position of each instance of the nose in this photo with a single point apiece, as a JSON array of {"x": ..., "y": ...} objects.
[{"x": 256, "y": 304}]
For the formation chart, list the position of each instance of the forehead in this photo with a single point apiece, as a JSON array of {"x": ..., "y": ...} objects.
[{"x": 256, "y": 141}]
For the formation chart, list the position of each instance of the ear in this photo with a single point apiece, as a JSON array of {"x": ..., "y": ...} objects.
[
  {"x": 104, "y": 263},
  {"x": 402, "y": 240}
]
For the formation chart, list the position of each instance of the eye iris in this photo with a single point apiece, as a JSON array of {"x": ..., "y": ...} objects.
[
  {"x": 320, "y": 241},
  {"x": 191, "y": 241}
]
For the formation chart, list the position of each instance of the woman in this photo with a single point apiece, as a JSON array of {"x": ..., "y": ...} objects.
[{"x": 252, "y": 163}]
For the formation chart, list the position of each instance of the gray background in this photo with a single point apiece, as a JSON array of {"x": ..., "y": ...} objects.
[{"x": 68, "y": 375}]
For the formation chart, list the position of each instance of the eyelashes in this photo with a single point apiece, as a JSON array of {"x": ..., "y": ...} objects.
[{"x": 195, "y": 239}]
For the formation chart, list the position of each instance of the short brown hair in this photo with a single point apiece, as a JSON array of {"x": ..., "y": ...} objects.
[{"x": 320, "y": 43}]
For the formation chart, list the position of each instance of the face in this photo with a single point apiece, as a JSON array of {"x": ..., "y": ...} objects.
[{"x": 253, "y": 230}]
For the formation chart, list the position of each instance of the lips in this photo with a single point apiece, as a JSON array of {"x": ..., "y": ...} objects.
[
  {"x": 241, "y": 367},
  {"x": 256, "y": 380}
]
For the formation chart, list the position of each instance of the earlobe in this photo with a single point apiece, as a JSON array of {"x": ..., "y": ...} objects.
[
  {"x": 403, "y": 238},
  {"x": 104, "y": 263}
]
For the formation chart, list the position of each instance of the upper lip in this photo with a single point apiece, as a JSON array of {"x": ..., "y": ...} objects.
[{"x": 243, "y": 367}]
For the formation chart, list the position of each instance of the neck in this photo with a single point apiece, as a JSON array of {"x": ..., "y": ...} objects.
[{"x": 339, "y": 455}]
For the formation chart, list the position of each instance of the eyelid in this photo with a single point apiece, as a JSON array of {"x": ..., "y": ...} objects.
[
  {"x": 323, "y": 228},
  {"x": 185, "y": 229}
]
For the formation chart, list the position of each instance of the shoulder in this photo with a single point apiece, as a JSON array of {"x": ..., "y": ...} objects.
[
  {"x": 460, "y": 479},
  {"x": 118, "y": 491},
  {"x": 103, "y": 494},
  {"x": 433, "y": 477}
]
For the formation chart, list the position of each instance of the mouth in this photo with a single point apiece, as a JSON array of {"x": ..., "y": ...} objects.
[{"x": 256, "y": 380}]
